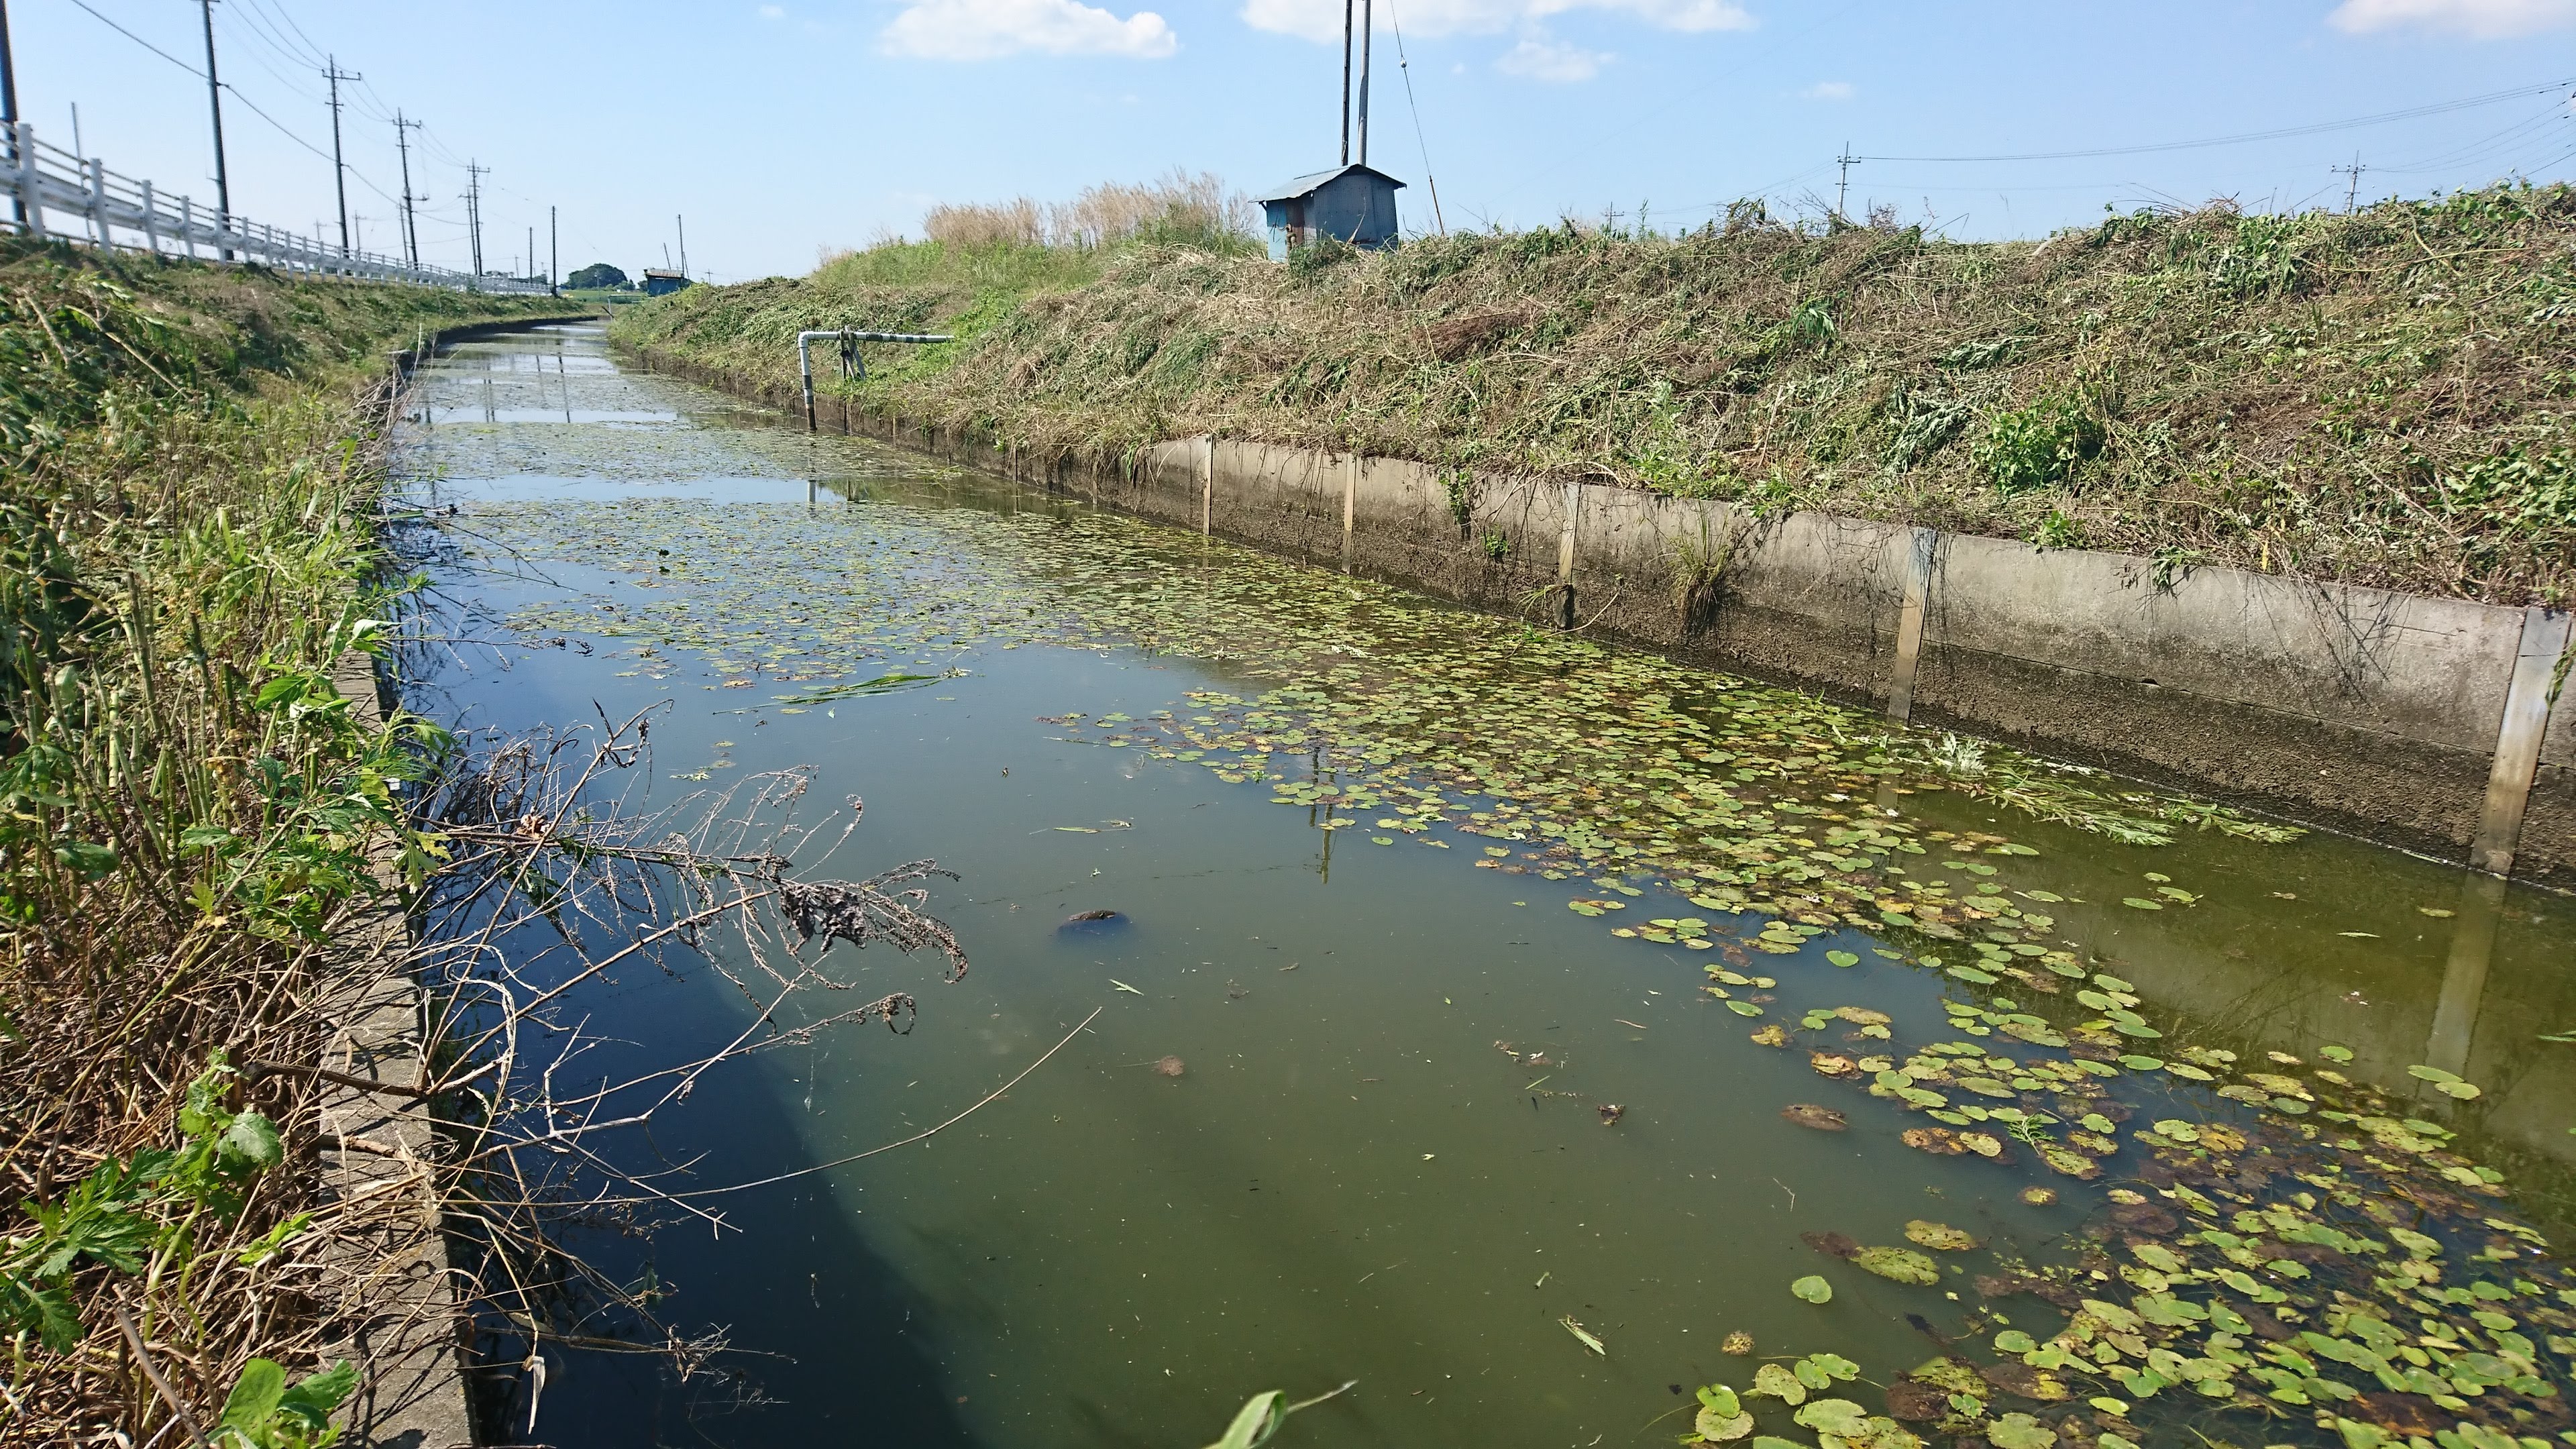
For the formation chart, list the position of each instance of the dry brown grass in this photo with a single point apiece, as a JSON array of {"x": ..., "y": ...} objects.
[
  {"x": 186, "y": 811},
  {"x": 1176, "y": 203},
  {"x": 2375, "y": 398}
]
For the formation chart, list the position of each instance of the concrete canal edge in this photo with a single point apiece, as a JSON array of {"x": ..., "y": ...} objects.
[
  {"x": 2436, "y": 725},
  {"x": 411, "y": 1340}
]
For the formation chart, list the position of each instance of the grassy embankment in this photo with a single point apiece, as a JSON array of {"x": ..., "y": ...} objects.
[
  {"x": 2378, "y": 398},
  {"x": 186, "y": 813}
]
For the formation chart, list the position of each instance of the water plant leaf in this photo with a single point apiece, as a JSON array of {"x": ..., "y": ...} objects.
[
  {"x": 1903, "y": 1265},
  {"x": 1585, "y": 1336},
  {"x": 1813, "y": 1289},
  {"x": 2020, "y": 1431},
  {"x": 1822, "y": 1119},
  {"x": 1717, "y": 1428},
  {"x": 1839, "y": 1417},
  {"x": 1939, "y": 1236},
  {"x": 1778, "y": 1382},
  {"x": 1833, "y": 1366}
]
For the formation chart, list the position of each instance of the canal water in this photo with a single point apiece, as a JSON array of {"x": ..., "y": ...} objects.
[{"x": 1534, "y": 1032}]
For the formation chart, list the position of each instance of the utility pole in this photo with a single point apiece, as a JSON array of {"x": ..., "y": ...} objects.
[
  {"x": 2352, "y": 192},
  {"x": 1346, "y": 82},
  {"x": 1843, "y": 187},
  {"x": 215, "y": 104},
  {"x": 474, "y": 209},
  {"x": 402, "y": 143},
  {"x": 339, "y": 169},
  {"x": 683, "y": 223},
  {"x": 532, "y": 249},
  {"x": 554, "y": 257},
  {"x": 1365, "y": 47},
  {"x": 9, "y": 110}
]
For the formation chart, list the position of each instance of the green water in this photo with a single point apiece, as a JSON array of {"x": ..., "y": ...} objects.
[{"x": 1371, "y": 854}]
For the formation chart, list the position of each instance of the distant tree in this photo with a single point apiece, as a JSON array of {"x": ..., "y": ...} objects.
[{"x": 597, "y": 274}]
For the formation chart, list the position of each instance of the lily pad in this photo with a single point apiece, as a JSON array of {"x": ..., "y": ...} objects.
[
  {"x": 1939, "y": 1236},
  {"x": 2020, "y": 1431},
  {"x": 1716, "y": 1428},
  {"x": 1902, "y": 1265},
  {"x": 1779, "y": 1383},
  {"x": 1839, "y": 1417},
  {"x": 1813, "y": 1289}
]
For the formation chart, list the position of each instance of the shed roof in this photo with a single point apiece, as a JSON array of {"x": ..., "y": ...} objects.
[{"x": 1309, "y": 185}]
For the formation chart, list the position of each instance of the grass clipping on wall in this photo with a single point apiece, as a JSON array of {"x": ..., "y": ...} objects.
[{"x": 2375, "y": 398}]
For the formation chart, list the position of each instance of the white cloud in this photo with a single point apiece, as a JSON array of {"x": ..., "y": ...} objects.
[
  {"x": 1828, "y": 91},
  {"x": 1322, "y": 19},
  {"x": 1537, "y": 58},
  {"x": 773, "y": 12},
  {"x": 2477, "y": 19},
  {"x": 985, "y": 29}
]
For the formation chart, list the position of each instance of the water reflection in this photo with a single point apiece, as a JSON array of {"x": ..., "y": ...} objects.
[{"x": 1349, "y": 1179}]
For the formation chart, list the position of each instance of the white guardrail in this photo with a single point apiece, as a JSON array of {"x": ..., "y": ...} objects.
[{"x": 113, "y": 212}]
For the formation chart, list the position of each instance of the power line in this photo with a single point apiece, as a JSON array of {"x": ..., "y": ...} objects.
[
  {"x": 2242, "y": 138},
  {"x": 262, "y": 11},
  {"x": 139, "y": 40},
  {"x": 1404, "y": 67}
]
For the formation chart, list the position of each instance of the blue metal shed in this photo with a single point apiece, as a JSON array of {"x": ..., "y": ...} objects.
[{"x": 1353, "y": 204}]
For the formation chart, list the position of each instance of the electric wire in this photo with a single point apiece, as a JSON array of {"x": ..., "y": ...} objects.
[
  {"x": 237, "y": 94},
  {"x": 102, "y": 19},
  {"x": 1404, "y": 67},
  {"x": 2247, "y": 137}
]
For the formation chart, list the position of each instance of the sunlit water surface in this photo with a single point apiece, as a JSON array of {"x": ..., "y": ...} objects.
[{"x": 1351, "y": 1178}]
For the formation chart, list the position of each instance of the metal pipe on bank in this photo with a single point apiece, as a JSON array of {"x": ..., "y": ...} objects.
[{"x": 852, "y": 365}]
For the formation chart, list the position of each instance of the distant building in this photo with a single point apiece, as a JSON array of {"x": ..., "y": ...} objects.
[
  {"x": 659, "y": 283},
  {"x": 1352, "y": 204}
]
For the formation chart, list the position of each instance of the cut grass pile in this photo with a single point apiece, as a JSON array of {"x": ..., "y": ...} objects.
[{"x": 2377, "y": 398}]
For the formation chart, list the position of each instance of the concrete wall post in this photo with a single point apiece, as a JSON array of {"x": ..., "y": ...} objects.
[
  {"x": 1350, "y": 503},
  {"x": 2517, "y": 753},
  {"x": 1909, "y": 623}
]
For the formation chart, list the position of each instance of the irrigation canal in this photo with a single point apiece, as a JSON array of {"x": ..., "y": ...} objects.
[{"x": 1492, "y": 961}]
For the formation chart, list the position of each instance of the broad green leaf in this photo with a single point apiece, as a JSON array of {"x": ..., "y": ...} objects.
[
  {"x": 254, "y": 1397},
  {"x": 252, "y": 1141}
]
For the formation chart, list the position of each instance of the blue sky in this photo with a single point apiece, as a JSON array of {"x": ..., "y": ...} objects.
[{"x": 783, "y": 129}]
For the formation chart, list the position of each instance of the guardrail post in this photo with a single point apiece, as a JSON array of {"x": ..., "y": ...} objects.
[
  {"x": 97, "y": 170},
  {"x": 188, "y": 225},
  {"x": 151, "y": 220},
  {"x": 30, "y": 195}
]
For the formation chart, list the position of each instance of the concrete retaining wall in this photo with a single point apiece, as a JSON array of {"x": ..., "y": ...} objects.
[{"x": 2352, "y": 708}]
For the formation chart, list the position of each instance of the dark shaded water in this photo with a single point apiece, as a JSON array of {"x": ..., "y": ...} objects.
[{"x": 1352, "y": 1178}]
